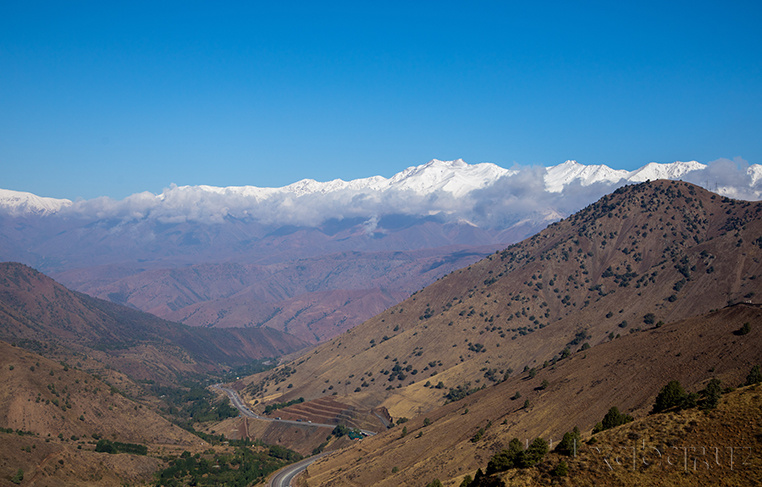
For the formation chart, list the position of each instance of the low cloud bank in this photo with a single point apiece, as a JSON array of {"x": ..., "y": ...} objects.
[{"x": 509, "y": 199}]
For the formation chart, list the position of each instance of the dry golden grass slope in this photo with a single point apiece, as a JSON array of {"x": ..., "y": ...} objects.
[
  {"x": 656, "y": 251},
  {"x": 61, "y": 408},
  {"x": 627, "y": 372}
]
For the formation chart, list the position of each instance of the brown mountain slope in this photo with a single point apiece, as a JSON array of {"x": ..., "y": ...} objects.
[
  {"x": 62, "y": 410},
  {"x": 627, "y": 372},
  {"x": 40, "y": 314},
  {"x": 657, "y": 251},
  {"x": 313, "y": 298}
]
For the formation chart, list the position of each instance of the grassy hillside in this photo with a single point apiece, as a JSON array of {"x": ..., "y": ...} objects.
[
  {"x": 628, "y": 373},
  {"x": 53, "y": 414}
]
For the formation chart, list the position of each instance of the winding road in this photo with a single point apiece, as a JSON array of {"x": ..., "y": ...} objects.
[
  {"x": 283, "y": 477},
  {"x": 238, "y": 403}
]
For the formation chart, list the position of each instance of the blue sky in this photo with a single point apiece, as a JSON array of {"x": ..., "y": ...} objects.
[{"x": 110, "y": 99}]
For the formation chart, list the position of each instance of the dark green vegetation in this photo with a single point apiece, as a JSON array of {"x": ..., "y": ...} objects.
[
  {"x": 280, "y": 405},
  {"x": 113, "y": 447},
  {"x": 673, "y": 397},
  {"x": 570, "y": 443},
  {"x": 191, "y": 403},
  {"x": 515, "y": 456},
  {"x": 242, "y": 467},
  {"x": 612, "y": 419}
]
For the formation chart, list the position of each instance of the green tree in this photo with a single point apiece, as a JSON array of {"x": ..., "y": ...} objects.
[
  {"x": 754, "y": 377},
  {"x": 19, "y": 477},
  {"x": 506, "y": 459},
  {"x": 612, "y": 419},
  {"x": 671, "y": 396},
  {"x": 569, "y": 443},
  {"x": 710, "y": 395},
  {"x": 535, "y": 453},
  {"x": 434, "y": 483}
]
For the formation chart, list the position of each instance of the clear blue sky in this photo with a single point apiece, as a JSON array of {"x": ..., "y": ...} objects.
[{"x": 100, "y": 98}]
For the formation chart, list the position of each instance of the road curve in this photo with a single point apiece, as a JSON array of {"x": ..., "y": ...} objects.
[
  {"x": 238, "y": 403},
  {"x": 287, "y": 474}
]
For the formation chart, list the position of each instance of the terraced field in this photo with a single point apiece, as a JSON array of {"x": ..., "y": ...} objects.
[{"x": 328, "y": 410}]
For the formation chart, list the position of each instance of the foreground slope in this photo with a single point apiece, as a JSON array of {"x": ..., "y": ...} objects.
[
  {"x": 655, "y": 252},
  {"x": 52, "y": 415},
  {"x": 40, "y": 314},
  {"x": 627, "y": 373}
]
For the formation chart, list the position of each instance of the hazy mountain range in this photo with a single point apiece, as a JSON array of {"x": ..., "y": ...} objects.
[{"x": 312, "y": 258}]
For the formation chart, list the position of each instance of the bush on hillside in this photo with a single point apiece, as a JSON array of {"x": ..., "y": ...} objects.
[
  {"x": 754, "y": 377},
  {"x": 569, "y": 443},
  {"x": 516, "y": 457},
  {"x": 671, "y": 396},
  {"x": 612, "y": 419},
  {"x": 710, "y": 395}
]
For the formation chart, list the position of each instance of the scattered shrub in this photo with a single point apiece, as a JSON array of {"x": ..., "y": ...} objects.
[
  {"x": 569, "y": 443},
  {"x": 560, "y": 470},
  {"x": 754, "y": 377},
  {"x": 671, "y": 396},
  {"x": 612, "y": 419},
  {"x": 710, "y": 396},
  {"x": 744, "y": 330}
]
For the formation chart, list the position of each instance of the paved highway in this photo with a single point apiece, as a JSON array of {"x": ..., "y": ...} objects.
[
  {"x": 238, "y": 403},
  {"x": 284, "y": 477}
]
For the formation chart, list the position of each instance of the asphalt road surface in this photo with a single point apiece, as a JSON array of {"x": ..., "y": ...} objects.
[
  {"x": 284, "y": 477},
  {"x": 237, "y": 402}
]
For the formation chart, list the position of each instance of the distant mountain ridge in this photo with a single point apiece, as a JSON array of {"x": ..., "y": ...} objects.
[
  {"x": 40, "y": 313},
  {"x": 337, "y": 252},
  {"x": 456, "y": 178}
]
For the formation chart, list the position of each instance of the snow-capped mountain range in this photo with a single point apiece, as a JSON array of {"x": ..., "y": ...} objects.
[
  {"x": 315, "y": 256},
  {"x": 447, "y": 179}
]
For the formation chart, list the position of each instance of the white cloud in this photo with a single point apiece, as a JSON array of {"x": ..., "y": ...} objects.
[{"x": 519, "y": 194}]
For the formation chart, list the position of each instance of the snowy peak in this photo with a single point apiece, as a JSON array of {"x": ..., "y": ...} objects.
[
  {"x": 654, "y": 170},
  {"x": 455, "y": 177},
  {"x": 558, "y": 177},
  {"x": 485, "y": 194},
  {"x": 19, "y": 202}
]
